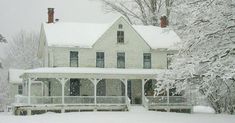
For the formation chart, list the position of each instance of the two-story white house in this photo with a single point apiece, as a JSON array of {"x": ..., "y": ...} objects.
[{"x": 99, "y": 67}]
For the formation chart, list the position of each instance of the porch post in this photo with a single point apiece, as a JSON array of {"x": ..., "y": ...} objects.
[
  {"x": 143, "y": 82},
  {"x": 125, "y": 83},
  {"x": 29, "y": 91},
  {"x": 62, "y": 81},
  {"x": 63, "y": 92},
  {"x": 168, "y": 98},
  {"x": 24, "y": 87},
  {"x": 42, "y": 84},
  {"x": 95, "y": 84}
]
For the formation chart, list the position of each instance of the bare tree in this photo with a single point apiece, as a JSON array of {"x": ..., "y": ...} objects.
[
  {"x": 23, "y": 50},
  {"x": 146, "y": 12},
  {"x": 21, "y": 53}
]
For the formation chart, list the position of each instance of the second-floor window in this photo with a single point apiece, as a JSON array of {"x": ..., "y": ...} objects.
[
  {"x": 120, "y": 36},
  {"x": 73, "y": 59},
  {"x": 100, "y": 59},
  {"x": 169, "y": 60},
  {"x": 20, "y": 89},
  {"x": 121, "y": 60},
  {"x": 147, "y": 60}
]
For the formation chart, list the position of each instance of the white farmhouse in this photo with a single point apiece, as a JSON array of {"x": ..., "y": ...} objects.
[{"x": 99, "y": 67}]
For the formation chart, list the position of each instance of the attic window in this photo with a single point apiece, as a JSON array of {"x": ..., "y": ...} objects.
[
  {"x": 120, "y": 36},
  {"x": 120, "y": 26}
]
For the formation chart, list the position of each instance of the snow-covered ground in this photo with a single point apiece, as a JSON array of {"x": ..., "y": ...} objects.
[{"x": 118, "y": 117}]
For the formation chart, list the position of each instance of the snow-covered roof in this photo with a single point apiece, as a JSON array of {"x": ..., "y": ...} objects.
[
  {"x": 84, "y": 35},
  {"x": 96, "y": 70},
  {"x": 74, "y": 34},
  {"x": 157, "y": 37},
  {"x": 14, "y": 75}
]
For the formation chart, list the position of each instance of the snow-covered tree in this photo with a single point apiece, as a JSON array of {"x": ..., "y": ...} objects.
[
  {"x": 2, "y": 40},
  {"x": 146, "y": 12},
  {"x": 3, "y": 75},
  {"x": 21, "y": 53},
  {"x": 23, "y": 50},
  {"x": 206, "y": 60}
]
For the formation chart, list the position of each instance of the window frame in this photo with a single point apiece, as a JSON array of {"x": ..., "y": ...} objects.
[
  {"x": 20, "y": 89},
  {"x": 146, "y": 61},
  {"x": 76, "y": 59},
  {"x": 118, "y": 55},
  {"x": 120, "y": 26},
  {"x": 169, "y": 60},
  {"x": 120, "y": 37},
  {"x": 102, "y": 60}
]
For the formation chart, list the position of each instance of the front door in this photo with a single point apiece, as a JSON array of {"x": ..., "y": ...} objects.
[{"x": 74, "y": 87}]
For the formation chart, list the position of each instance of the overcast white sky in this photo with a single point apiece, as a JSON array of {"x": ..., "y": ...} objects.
[{"x": 16, "y": 15}]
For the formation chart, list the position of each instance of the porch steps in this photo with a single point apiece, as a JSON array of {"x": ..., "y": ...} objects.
[{"x": 137, "y": 108}]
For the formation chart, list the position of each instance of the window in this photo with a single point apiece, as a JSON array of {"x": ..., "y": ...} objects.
[
  {"x": 169, "y": 60},
  {"x": 120, "y": 36},
  {"x": 147, "y": 60},
  {"x": 73, "y": 59},
  {"x": 75, "y": 87},
  {"x": 20, "y": 89},
  {"x": 120, "y": 26},
  {"x": 101, "y": 88},
  {"x": 100, "y": 59},
  {"x": 121, "y": 60}
]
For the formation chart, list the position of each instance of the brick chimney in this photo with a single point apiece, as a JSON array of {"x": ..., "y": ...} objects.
[
  {"x": 50, "y": 15},
  {"x": 164, "y": 21}
]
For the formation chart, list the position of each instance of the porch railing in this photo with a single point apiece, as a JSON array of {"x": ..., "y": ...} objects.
[
  {"x": 164, "y": 100},
  {"x": 79, "y": 99},
  {"x": 21, "y": 99},
  {"x": 46, "y": 100},
  {"x": 73, "y": 100},
  {"x": 110, "y": 99}
]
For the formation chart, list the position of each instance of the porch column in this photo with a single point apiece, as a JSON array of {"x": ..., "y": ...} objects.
[
  {"x": 143, "y": 82},
  {"x": 168, "y": 97},
  {"x": 94, "y": 81},
  {"x": 24, "y": 87},
  {"x": 62, "y": 81},
  {"x": 168, "y": 94},
  {"x": 95, "y": 84},
  {"x": 29, "y": 91},
  {"x": 42, "y": 89},
  {"x": 125, "y": 83}
]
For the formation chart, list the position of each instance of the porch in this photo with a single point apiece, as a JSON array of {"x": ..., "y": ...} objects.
[{"x": 92, "y": 99}]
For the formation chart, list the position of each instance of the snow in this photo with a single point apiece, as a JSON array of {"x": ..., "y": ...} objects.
[
  {"x": 84, "y": 35},
  {"x": 14, "y": 75},
  {"x": 118, "y": 117},
  {"x": 203, "y": 109},
  {"x": 157, "y": 37},
  {"x": 137, "y": 108},
  {"x": 74, "y": 34},
  {"x": 95, "y": 70}
]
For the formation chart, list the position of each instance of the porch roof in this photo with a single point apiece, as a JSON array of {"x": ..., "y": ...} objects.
[{"x": 82, "y": 72}]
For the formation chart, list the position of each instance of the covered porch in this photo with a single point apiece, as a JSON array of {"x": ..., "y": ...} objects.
[{"x": 91, "y": 89}]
